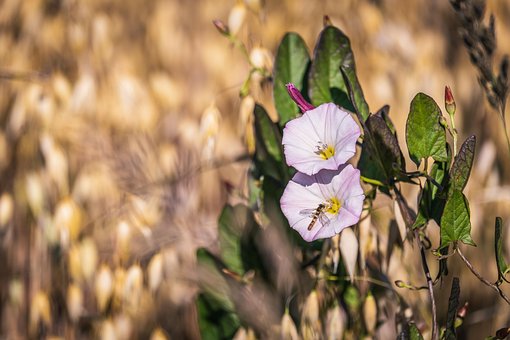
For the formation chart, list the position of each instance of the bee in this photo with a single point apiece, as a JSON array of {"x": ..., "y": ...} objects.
[{"x": 318, "y": 213}]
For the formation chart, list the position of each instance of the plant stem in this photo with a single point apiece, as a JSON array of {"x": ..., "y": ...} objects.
[
  {"x": 430, "y": 284},
  {"x": 453, "y": 132},
  {"x": 485, "y": 281}
]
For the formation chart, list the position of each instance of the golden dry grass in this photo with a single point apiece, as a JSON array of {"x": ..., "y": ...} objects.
[{"x": 114, "y": 113}]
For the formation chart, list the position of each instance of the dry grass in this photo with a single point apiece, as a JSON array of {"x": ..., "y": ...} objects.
[{"x": 112, "y": 114}]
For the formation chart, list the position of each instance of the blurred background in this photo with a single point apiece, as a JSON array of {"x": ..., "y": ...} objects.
[{"x": 121, "y": 129}]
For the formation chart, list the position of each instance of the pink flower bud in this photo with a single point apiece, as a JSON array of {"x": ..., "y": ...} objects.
[
  {"x": 449, "y": 101},
  {"x": 297, "y": 97},
  {"x": 221, "y": 27}
]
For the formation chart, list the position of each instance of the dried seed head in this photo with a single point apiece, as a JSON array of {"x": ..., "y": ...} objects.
[
  {"x": 123, "y": 239},
  {"x": 370, "y": 313},
  {"x": 254, "y": 5},
  {"x": 246, "y": 122},
  {"x": 107, "y": 330},
  {"x": 133, "y": 286},
  {"x": 209, "y": 129},
  {"x": 68, "y": 221},
  {"x": 40, "y": 312},
  {"x": 35, "y": 193},
  {"x": 336, "y": 322},
  {"x": 159, "y": 334},
  {"x": 236, "y": 18},
  {"x": 74, "y": 263},
  {"x": 103, "y": 287},
  {"x": 88, "y": 258},
  {"x": 6, "y": 209},
  {"x": 123, "y": 327},
  {"x": 261, "y": 58},
  {"x": 16, "y": 292},
  {"x": 56, "y": 163},
  {"x": 74, "y": 302},
  {"x": 155, "y": 271},
  {"x": 310, "y": 322},
  {"x": 349, "y": 249},
  {"x": 288, "y": 328}
]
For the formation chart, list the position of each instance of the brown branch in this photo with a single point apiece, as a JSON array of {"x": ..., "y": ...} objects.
[
  {"x": 430, "y": 284},
  {"x": 485, "y": 281}
]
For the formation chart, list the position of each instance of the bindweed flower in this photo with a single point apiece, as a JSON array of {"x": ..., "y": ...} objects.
[
  {"x": 322, "y": 205},
  {"x": 322, "y": 138}
]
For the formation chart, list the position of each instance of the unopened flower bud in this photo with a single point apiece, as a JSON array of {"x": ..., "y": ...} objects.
[
  {"x": 298, "y": 98},
  {"x": 461, "y": 313},
  {"x": 449, "y": 101},
  {"x": 221, "y": 27}
]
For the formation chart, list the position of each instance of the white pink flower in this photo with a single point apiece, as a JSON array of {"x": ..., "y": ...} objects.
[
  {"x": 322, "y": 205},
  {"x": 322, "y": 138}
]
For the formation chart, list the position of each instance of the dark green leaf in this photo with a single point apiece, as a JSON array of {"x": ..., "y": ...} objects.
[
  {"x": 410, "y": 332},
  {"x": 498, "y": 243},
  {"x": 425, "y": 135},
  {"x": 455, "y": 223},
  {"x": 326, "y": 83},
  {"x": 428, "y": 199},
  {"x": 348, "y": 69},
  {"x": 268, "y": 152},
  {"x": 381, "y": 157},
  {"x": 291, "y": 63},
  {"x": 414, "y": 332},
  {"x": 453, "y": 306},
  {"x": 214, "y": 320},
  {"x": 216, "y": 312},
  {"x": 236, "y": 225},
  {"x": 462, "y": 164}
]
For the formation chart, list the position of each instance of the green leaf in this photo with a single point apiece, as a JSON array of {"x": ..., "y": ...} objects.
[
  {"x": 462, "y": 164},
  {"x": 453, "y": 306},
  {"x": 503, "y": 267},
  {"x": 425, "y": 135},
  {"x": 428, "y": 199},
  {"x": 326, "y": 83},
  {"x": 381, "y": 157},
  {"x": 410, "y": 332},
  {"x": 291, "y": 63},
  {"x": 214, "y": 321},
  {"x": 216, "y": 312},
  {"x": 348, "y": 69},
  {"x": 455, "y": 223},
  {"x": 236, "y": 225},
  {"x": 268, "y": 151}
]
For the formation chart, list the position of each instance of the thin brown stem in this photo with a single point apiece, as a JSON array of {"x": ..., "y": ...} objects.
[
  {"x": 430, "y": 285},
  {"x": 485, "y": 281}
]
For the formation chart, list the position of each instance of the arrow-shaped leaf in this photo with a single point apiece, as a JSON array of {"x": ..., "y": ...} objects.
[
  {"x": 462, "y": 164},
  {"x": 455, "y": 223},
  {"x": 326, "y": 83},
  {"x": 291, "y": 63},
  {"x": 498, "y": 245}
]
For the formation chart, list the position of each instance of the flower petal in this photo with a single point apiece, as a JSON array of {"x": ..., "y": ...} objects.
[
  {"x": 325, "y": 124},
  {"x": 307, "y": 192}
]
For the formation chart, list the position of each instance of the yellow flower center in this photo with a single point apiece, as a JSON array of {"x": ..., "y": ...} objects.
[
  {"x": 324, "y": 150},
  {"x": 334, "y": 205}
]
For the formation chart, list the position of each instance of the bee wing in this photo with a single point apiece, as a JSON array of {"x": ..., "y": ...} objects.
[
  {"x": 324, "y": 220},
  {"x": 307, "y": 212}
]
